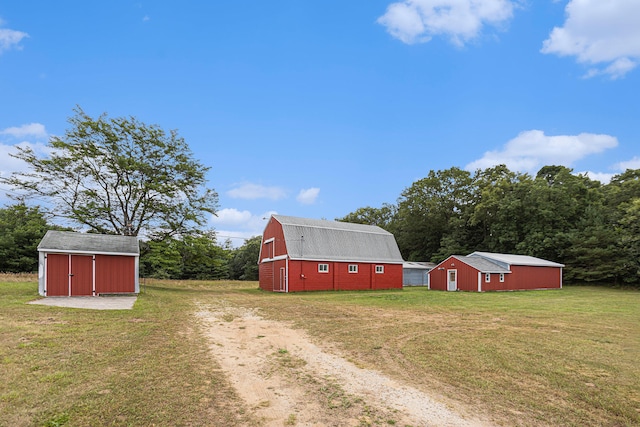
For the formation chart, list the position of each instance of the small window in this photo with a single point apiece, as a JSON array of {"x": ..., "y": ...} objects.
[
  {"x": 487, "y": 277},
  {"x": 353, "y": 268},
  {"x": 323, "y": 268},
  {"x": 501, "y": 277},
  {"x": 379, "y": 269}
]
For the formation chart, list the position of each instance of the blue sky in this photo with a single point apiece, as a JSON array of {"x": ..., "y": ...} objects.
[{"x": 315, "y": 109}]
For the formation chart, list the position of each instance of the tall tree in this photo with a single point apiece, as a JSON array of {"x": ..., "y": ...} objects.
[
  {"x": 244, "y": 264},
  {"x": 382, "y": 217},
  {"x": 428, "y": 208},
  {"x": 119, "y": 176}
]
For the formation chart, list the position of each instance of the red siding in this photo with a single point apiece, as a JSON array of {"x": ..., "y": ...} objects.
[
  {"x": 265, "y": 272},
  {"x": 528, "y": 277},
  {"x": 57, "y": 275},
  {"x": 115, "y": 274},
  {"x": 304, "y": 276}
]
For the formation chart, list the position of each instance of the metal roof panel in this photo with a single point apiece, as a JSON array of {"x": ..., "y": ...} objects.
[{"x": 311, "y": 239}]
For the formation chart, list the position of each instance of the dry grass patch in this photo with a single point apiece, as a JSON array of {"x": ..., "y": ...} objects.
[{"x": 565, "y": 357}]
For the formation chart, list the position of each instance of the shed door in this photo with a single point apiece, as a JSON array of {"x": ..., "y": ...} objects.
[
  {"x": 81, "y": 275},
  {"x": 57, "y": 275},
  {"x": 452, "y": 280}
]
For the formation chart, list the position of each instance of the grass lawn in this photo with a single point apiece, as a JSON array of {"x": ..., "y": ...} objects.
[{"x": 563, "y": 357}]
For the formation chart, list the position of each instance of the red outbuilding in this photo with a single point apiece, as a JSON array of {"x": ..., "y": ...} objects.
[
  {"x": 81, "y": 264},
  {"x": 299, "y": 254},
  {"x": 485, "y": 271}
]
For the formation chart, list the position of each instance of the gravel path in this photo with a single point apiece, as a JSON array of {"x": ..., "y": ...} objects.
[{"x": 283, "y": 377}]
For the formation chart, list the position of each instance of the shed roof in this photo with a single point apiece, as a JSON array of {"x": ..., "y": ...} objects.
[
  {"x": 316, "y": 239},
  {"x": 509, "y": 259},
  {"x": 418, "y": 265},
  {"x": 71, "y": 242},
  {"x": 482, "y": 265}
]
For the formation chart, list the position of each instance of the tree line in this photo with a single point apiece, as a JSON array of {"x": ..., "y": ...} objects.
[
  {"x": 592, "y": 228},
  {"x": 196, "y": 256}
]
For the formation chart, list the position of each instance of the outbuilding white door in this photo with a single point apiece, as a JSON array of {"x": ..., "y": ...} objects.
[{"x": 452, "y": 280}]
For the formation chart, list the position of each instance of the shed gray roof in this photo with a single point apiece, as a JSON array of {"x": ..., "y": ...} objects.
[
  {"x": 481, "y": 264},
  {"x": 315, "y": 239},
  {"x": 418, "y": 265},
  {"x": 70, "y": 242},
  {"x": 508, "y": 259}
]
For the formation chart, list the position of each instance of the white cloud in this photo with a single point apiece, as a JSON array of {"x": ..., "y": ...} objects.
[
  {"x": 417, "y": 21},
  {"x": 308, "y": 196},
  {"x": 599, "y": 32},
  {"x": 237, "y": 226},
  {"x": 256, "y": 191},
  {"x": 598, "y": 176},
  {"x": 9, "y": 164},
  {"x": 532, "y": 149},
  {"x": 36, "y": 130},
  {"x": 10, "y": 38},
  {"x": 629, "y": 164}
]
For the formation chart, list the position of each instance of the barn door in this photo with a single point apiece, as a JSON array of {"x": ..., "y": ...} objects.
[
  {"x": 452, "y": 280},
  {"x": 281, "y": 283},
  {"x": 81, "y": 275},
  {"x": 57, "y": 274},
  {"x": 69, "y": 275}
]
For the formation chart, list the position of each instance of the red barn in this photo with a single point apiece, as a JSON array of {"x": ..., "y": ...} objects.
[
  {"x": 299, "y": 254},
  {"x": 484, "y": 271},
  {"x": 79, "y": 264}
]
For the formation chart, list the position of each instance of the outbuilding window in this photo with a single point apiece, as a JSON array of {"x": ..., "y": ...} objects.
[
  {"x": 379, "y": 269},
  {"x": 501, "y": 277},
  {"x": 487, "y": 277},
  {"x": 323, "y": 268},
  {"x": 353, "y": 268}
]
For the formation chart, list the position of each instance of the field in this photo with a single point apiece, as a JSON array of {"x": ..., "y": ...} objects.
[{"x": 537, "y": 358}]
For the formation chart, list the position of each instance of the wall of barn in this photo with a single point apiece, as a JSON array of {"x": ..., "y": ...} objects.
[
  {"x": 530, "y": 277},
  {"x": 304, "y": 276}
]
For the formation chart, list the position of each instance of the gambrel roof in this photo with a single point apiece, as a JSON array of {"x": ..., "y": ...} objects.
[
  {"x": 324, "y": 240},
  {"x": 86, "y": 243}
]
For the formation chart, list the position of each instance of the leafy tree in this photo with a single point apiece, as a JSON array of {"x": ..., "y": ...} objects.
[
  {"x": 202, "y": 258},
  {"x": 630, "y": 242},
  {"x": 192, "y": 257},
  {"x": 161, "y": 259},
  {"x": 428, "y": 208},
  {"x": 21, "y": 230},
  {"x": 382, "y": 217},
  {"x": 120, "y": 176},
  {"x": 244, "y": 264}
]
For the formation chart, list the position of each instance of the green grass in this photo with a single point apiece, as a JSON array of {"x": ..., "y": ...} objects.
[
  {"x": 145, "y": 366},
  {"x": 535, "y": 358}
]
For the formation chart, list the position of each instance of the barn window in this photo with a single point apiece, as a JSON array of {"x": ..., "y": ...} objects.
[
  {"x": 487, "y": 277},
  {"x": 323, "y": 268},
  {"x": 379, "y": 269},
  {"x": 353, "y": 268},
  {"x": 501, "y": 277}
]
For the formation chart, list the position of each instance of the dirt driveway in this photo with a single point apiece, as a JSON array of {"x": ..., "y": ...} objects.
[{"x": 286, "y": 379}]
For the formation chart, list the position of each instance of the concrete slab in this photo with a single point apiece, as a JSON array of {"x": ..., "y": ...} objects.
[{"x": 91, "y": 303}]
